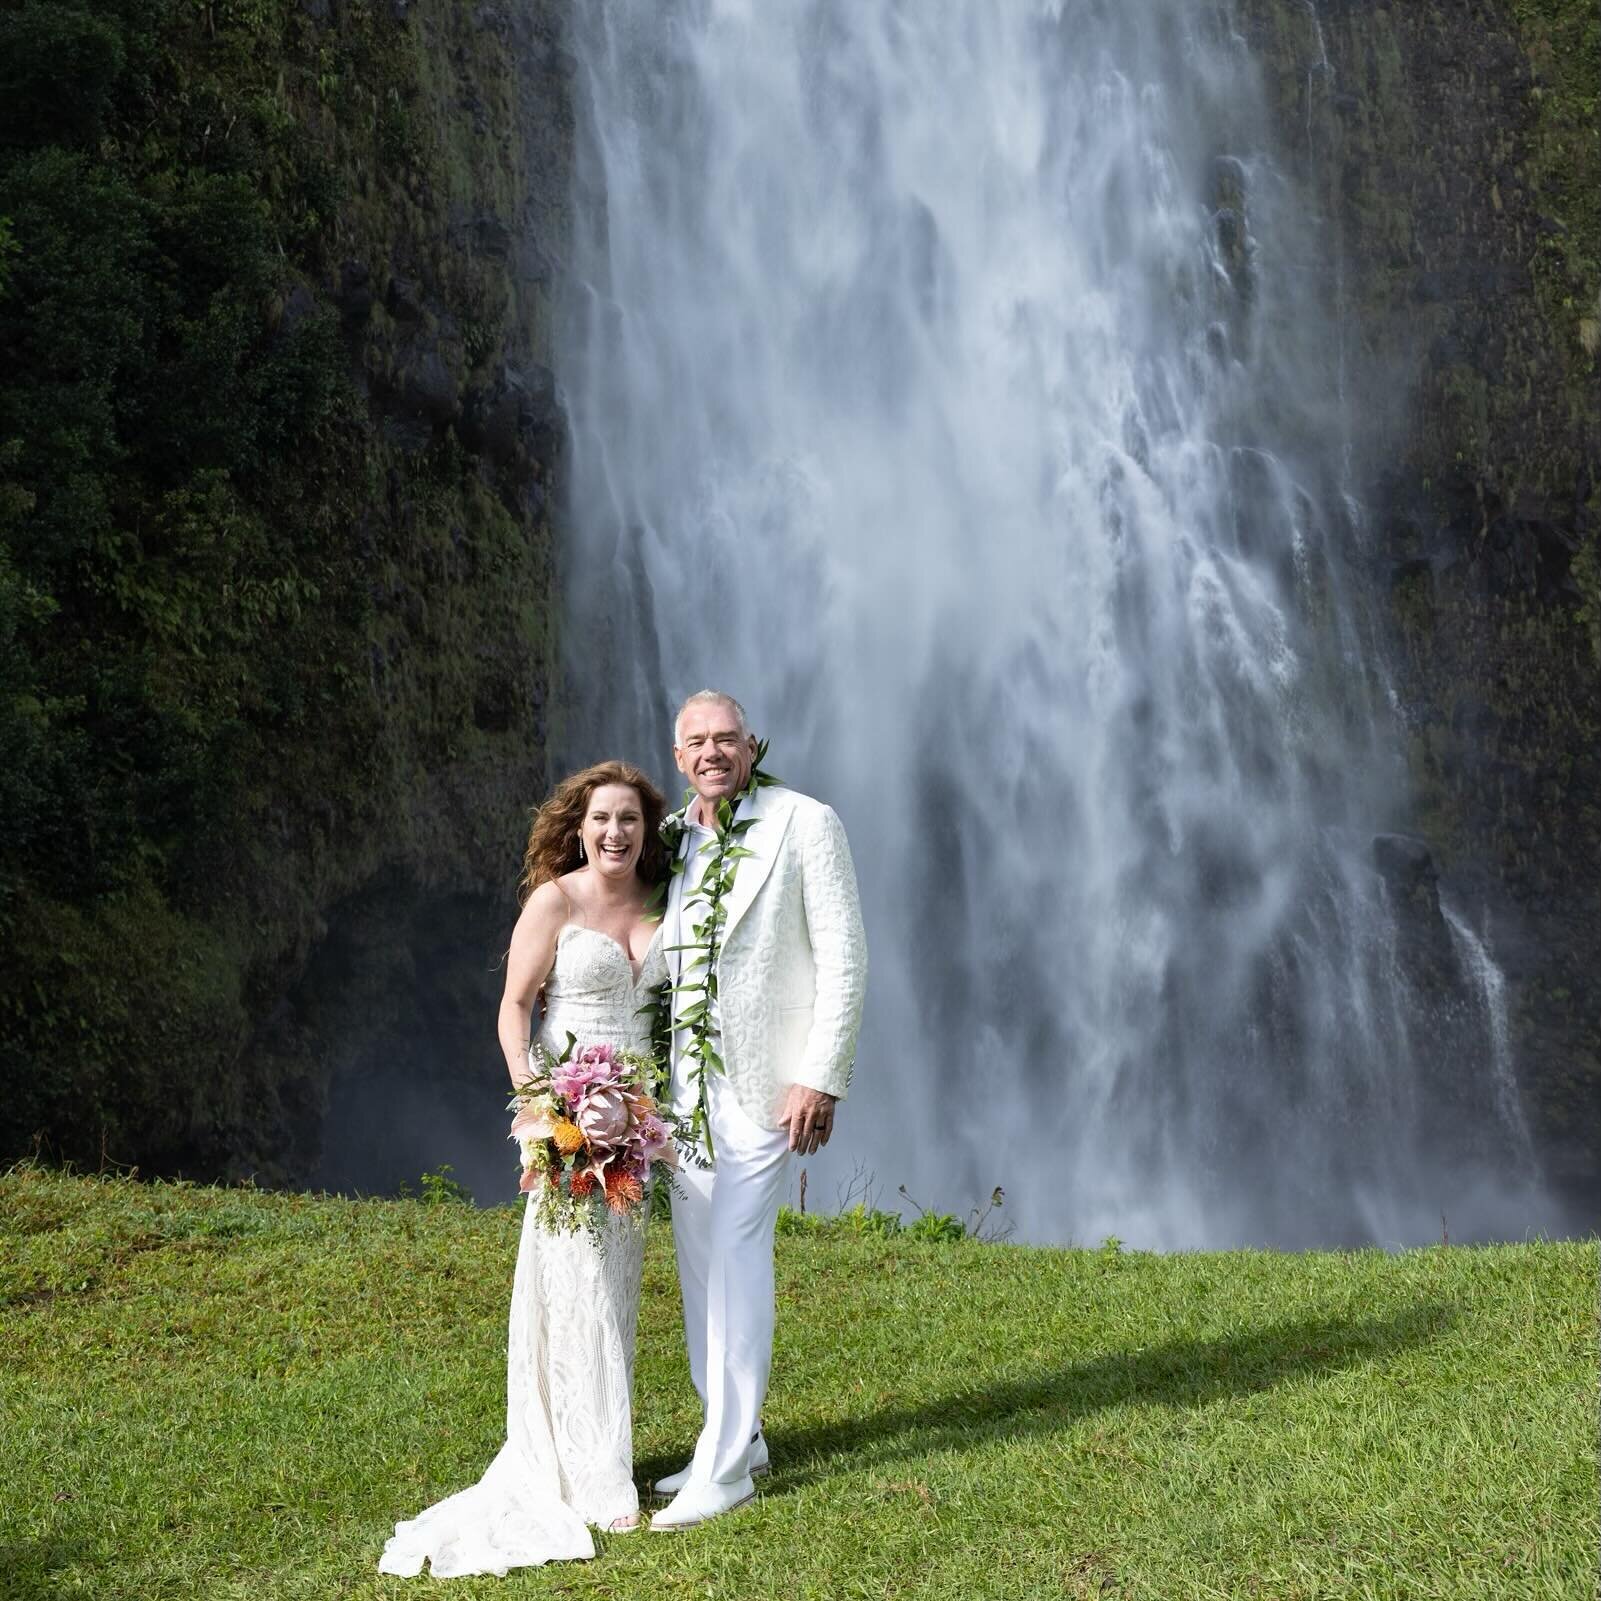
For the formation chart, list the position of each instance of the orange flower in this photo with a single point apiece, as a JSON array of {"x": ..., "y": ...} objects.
[
  {"x": 623, "y": 1191},
  {"x": 568, "y": 1136},
  {"x": 583, "y": 1184}
]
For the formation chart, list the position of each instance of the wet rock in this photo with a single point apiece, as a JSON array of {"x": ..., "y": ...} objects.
[
  {"x": 1424, "y": 947},
  {"x": 1412, "y": 568},
  {"x": 489, "y": 424},
  {"x": 537, "y": 387},
  {"x": 428, "y": 387},
  {"x": 1236, "y": 250},
  {"x": 1228, "y": 183},
  {"x": 492, "y": 236},
  {"x": 407, "y": 433},
  {"x": 492, "y": 19},
  {"x": 355, "y": 293},
  {"x": 503, "y": 421},
  {"x": 1258, "y": 504},
  {"x": 403, "y": 299},
  {"x": 1407, "y": 864},
  {"x": 300, "y": 305}
]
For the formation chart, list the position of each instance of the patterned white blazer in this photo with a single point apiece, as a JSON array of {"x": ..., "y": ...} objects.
[{"x": 792, "y": 971}]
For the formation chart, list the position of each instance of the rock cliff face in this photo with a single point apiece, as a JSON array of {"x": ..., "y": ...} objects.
[
  {"x": 274, "y": 644},
  {"x": 1452, "y": 153}
]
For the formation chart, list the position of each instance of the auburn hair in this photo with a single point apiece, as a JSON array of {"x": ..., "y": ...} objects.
[{"x": 553, "y": 840}]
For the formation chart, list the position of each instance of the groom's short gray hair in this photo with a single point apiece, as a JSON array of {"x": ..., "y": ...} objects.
[{"x": 710, "y": 697}]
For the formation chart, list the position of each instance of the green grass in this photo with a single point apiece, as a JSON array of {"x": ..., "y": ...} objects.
[{"x": 223, "y": 1393}]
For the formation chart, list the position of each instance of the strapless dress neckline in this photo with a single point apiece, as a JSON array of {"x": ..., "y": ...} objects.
[{"x": 636, "y": 971}]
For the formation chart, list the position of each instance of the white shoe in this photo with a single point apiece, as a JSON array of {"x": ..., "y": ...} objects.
[
  {"x": 760, "y": 1463},
  {"x": 700, "y": 1503}
]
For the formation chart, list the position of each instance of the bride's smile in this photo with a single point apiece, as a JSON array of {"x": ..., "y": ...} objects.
[{"x": 613, "y": 831}]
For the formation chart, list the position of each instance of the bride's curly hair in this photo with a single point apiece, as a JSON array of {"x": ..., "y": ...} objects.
[{"x": 553, "y": 840}]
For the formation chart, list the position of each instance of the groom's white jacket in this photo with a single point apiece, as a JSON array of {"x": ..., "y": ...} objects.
[{"x": 793, "y": 966}]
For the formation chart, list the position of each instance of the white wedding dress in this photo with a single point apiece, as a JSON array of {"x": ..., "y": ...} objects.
[{"x": 568, "y": 1457}]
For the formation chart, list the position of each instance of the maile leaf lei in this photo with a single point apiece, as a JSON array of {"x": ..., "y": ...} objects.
[{"x": 698, "y": 977}]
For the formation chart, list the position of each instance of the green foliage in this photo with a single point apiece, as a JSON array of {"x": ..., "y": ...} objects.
[
  {"x": 986, "y": 1422},
  {"x": 1587, "y": 575},
  {"x": 937, "y": 1227},
  {"x": 438, "y": 1188},
  {"x": 1563, "y": 39},
  {"x": 865, "y": 1222},
  {"x": 59, "y": 66},
  {"x": 8, "y": 251},
  {"x": 855, "y": 1222},
  {"x": 239, "y": 629},
  {"x": 707, "y": 914}
]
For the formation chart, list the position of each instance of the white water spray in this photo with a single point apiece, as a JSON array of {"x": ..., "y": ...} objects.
[
  {"x": 1488, "y": 991},
  {"x": 944, "y": 382}
]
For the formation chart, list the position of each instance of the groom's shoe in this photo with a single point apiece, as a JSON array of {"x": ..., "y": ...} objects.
[
  {"x": 700, "y": 1503},
  {"x": 760, "y": 1462}
]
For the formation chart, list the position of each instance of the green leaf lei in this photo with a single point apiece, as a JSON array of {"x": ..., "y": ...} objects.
[{"x": 698, "y": 979}]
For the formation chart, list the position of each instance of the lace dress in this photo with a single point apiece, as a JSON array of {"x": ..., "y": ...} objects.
[{"x": 568, "y": 1457}]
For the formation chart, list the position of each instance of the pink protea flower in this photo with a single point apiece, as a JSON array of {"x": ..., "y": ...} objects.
[{"x": 603, "y": 1116}]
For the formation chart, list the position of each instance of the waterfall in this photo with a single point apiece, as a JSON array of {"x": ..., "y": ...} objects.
[
  {"x": 953, "y": 382},
  {"x": 1488, "y": 994}
]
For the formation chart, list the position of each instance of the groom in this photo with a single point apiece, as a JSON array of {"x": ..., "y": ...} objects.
[{"x": 791, "y": 965}]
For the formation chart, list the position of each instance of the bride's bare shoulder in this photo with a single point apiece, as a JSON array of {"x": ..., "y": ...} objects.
[{"x": 545, "y": 910}]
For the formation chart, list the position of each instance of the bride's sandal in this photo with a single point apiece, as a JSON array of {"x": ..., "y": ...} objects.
[{"x": 627, "y": 1524}]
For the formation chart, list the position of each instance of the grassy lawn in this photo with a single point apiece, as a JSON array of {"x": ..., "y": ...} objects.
[{"x": 220, "y": 1393}]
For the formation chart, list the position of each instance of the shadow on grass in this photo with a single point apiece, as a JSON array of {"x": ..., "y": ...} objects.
[
  {"x": 1178, "y": 1374},
  {"x": 30, "y": 1569}
]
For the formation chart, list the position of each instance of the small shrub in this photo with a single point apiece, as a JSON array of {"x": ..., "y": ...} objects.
[
  {"x": 939, "y": 1227},
  {"x": 438, "y": 1188}
]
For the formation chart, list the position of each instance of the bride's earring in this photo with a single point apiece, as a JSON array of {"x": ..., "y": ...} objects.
[{"x": 581, "y": 856}]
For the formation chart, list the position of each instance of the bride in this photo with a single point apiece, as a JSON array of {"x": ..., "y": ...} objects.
[{"x": 593, "y": 858}]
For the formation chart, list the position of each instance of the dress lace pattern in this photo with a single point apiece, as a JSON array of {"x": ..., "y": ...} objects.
[{"x": 568, "y": 1457}]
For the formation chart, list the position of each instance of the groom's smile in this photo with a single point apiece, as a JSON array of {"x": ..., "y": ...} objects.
[{"x": 713, "y": 752}]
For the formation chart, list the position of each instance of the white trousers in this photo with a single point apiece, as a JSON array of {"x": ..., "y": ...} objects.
[{"x": 723, "y": 1221}]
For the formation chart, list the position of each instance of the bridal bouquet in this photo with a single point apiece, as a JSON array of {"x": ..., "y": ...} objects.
[{"x": 590, "y": 1133}]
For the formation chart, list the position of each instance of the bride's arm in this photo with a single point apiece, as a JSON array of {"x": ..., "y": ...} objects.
[{"x": 528, "y": 964}]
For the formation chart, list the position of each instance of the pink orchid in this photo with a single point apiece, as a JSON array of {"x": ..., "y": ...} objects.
[
  {"x": 594, "y": 1065},
  {"x": 655, "y": 1143}
]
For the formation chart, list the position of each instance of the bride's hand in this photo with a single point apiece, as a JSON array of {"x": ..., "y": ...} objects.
[{"x": 809, "y": 1117}]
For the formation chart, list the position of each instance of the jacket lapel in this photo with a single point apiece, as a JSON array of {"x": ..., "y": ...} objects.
[{"x": 770, "y": 808}]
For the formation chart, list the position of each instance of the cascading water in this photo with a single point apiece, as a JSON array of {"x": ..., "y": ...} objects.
[{"x": 950, "y": 382}]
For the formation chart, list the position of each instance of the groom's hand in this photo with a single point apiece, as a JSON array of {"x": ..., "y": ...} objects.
[{"x": 809, "y": 1117}]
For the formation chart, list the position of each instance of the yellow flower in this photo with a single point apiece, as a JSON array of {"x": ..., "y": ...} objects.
[{"x": 568, "y": 1136}]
